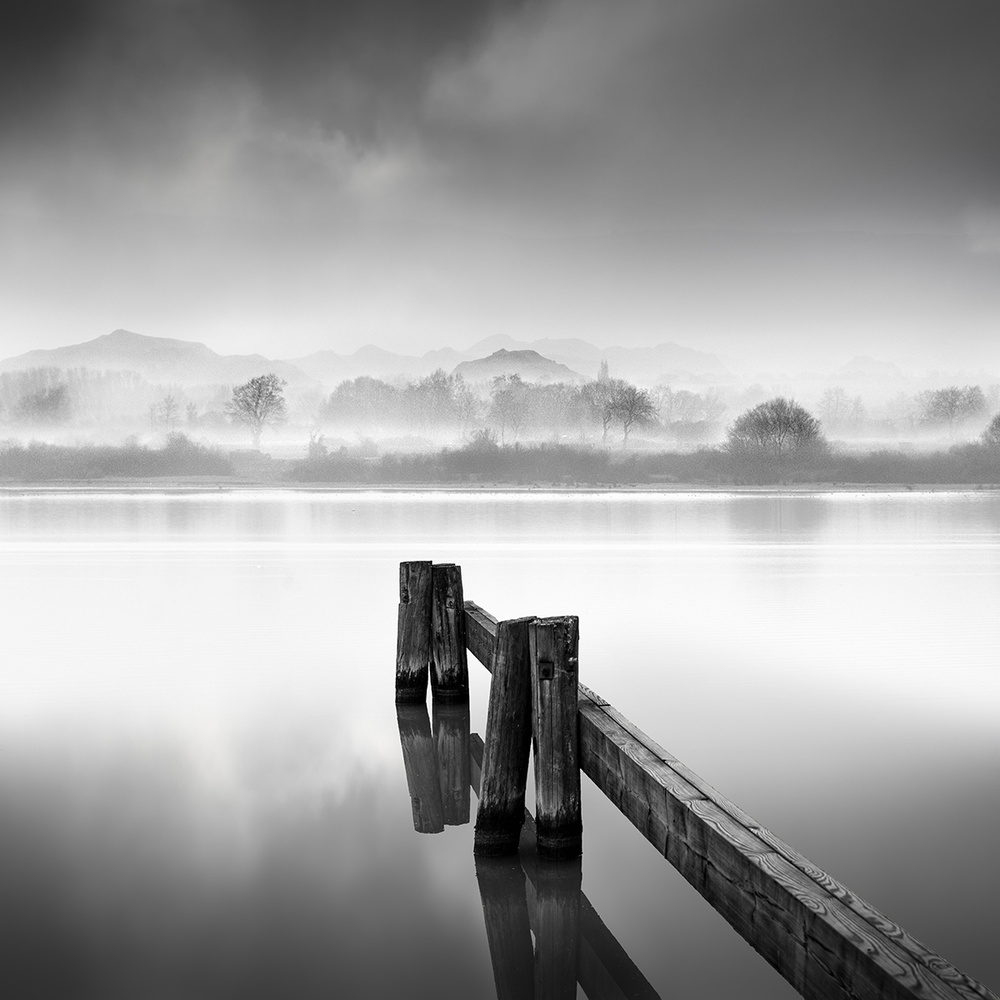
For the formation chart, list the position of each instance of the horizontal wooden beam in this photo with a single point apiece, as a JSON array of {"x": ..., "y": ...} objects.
[{"x": 824, "y": 939}]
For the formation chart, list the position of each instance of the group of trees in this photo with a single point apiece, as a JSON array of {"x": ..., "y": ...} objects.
[{"x": 508, "y": 405}]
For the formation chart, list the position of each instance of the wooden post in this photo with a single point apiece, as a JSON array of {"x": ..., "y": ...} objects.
[
  {"x": 413, "y": 632},
  {"x": 449, "y": 663},
  {"x": 508, "y": 743},
  {"x": 554, "y": 680},
  {"x": 557, "y": 930},
  {"x": 451, "y": 737},
  {"x": 421, "y": 766}
]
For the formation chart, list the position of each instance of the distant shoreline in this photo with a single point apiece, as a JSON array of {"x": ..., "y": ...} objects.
[{"x": 195, "y": 485}]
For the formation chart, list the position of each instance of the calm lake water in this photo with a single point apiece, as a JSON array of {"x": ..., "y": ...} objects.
[{"x": 202, "y": 789}]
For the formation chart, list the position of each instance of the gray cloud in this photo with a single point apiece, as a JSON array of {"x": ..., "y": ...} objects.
[{"x": 378, "y": 171}]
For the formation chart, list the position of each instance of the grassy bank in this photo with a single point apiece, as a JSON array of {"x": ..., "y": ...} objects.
[
  {"x": 37, "y": 462},
  {"x": 559, "y": 466}
]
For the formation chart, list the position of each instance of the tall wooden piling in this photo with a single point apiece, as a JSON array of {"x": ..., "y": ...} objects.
[
  {"x": 554, "y": 644},
  {"x": 449, "y": 662},
  {"x": 508, "y": 743},
  {"x": 413, "y": 632}
]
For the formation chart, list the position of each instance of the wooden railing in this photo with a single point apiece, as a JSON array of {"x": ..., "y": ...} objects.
[{"x": 824, "y": 939}]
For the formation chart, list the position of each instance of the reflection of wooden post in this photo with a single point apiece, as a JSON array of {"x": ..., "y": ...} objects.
[
  {"x": 449, "y": 662},
  {"x": 451, "y": 736},
  {"x": 508, "y": 743},
  {"x": 557, "y": 929},
  {"x": 554, "y": 676},
  {"x": 420, "y": 762},
  {"x": 413, "y": 632},
  {"x": 505, "y": 909},
  {"x": 604, "y": 969}
]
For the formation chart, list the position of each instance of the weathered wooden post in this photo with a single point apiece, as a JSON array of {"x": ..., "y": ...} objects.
[
  {"x": 451, "y": 737},
  {"x": 554, "y": 679},
  {"x": 421, "y": 766},
  {"x": 449, "y": 662},
  {"x": 413, "y": 632},
  {"x": 508, "y": 743}
]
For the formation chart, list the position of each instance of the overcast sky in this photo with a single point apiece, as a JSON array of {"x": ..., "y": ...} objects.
[{"x": 772, "y": 179}]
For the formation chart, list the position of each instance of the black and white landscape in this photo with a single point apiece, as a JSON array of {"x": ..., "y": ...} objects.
[{"x": 678, "y": 317}]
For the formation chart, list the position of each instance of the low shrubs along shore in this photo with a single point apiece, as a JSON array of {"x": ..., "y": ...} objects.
[
  {"x": 542, "y": 464},
  {"x": 37, "y": 462},
  {"x": 974, "y": 464}
]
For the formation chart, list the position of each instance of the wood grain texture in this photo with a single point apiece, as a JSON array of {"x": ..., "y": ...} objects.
[
  {"x": 554, "y": 680},
  {"x": 451, "y": 740},
  {"x": 822, "y": 937},
  {"x": 508, "y": 743},
  {"x": 480, "y": 634},
  {"x": 449, "y": 662},
  {"x": 413, "y": 632},
  {"x": 787, "y": 909},
  {"x": 421, "y": 766}
]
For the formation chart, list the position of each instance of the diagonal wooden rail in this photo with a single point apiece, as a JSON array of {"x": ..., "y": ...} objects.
[{"x": 823, "y": 938}]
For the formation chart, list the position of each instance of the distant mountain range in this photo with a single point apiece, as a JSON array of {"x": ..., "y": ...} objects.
[
  {"x": 666, "y": 362},
  {"x": 165, "y": 361},
  {"x": 162, "y": 360},
  {"x": 159, "y": 360}
]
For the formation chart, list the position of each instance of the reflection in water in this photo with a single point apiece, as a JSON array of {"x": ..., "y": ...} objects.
[
  {"x": 420, "y": 762},
  {"x": 867, "y": 623},
  {"x": 451, "y": 740},
  {"x": 525, "y": 900},
  {"x": 126, "y": 874},
  {"x": 436, "y": 765}
]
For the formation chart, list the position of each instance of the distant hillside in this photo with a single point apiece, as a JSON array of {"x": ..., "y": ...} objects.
[
  {"x": 864, "y": 367},
  {"x": 529, "y": 365},
  {"x": 332, "y": 368},
  {"x": 667, "y": 362},
  {"x": 159, "y": 360}
]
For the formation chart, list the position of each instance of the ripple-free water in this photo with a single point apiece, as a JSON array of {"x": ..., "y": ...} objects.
[{"x": 201, "y": 782}]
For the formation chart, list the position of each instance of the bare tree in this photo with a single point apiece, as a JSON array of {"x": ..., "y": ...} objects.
[
  {"x": 258, "y": 404},
  {"x": 599, "y": 397},
  {"x": 167, "y": 411},
  {"x": 774, "y": 427},
  {"x": 951, "y": 405},
  {"x": 509, "y": 408},
  {"x": 632, "y": 406}
]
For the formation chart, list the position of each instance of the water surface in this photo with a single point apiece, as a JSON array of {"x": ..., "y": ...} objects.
[{"x": 200, "y": 767}]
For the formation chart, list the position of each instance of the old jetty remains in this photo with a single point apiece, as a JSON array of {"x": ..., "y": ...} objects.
[{"x": 824, "y": 939}]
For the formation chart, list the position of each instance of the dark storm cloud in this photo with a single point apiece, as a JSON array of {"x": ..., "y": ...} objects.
[
  {"x": 133, "y": 64},
  {"x": 712, "y": 112},
  {"x": 728, "y": 112}
]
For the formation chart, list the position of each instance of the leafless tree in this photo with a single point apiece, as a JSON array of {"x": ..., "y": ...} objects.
[
  {"x": 632, "y": 405},
  {"x": 774, "y": 427},
  {"x": 258, "y": 404}
]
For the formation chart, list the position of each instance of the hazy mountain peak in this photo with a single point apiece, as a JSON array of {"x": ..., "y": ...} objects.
[{"x": 528, "y": 364}]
